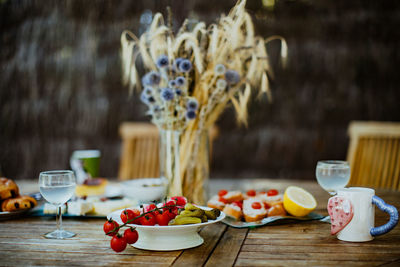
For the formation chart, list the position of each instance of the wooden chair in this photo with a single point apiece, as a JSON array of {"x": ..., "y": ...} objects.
[
  {"x": 374, "y": 154},
  {"x": 140, "y": 150}
]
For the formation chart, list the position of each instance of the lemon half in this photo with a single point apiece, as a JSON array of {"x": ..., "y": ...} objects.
[{"x": 298, "y": 202}]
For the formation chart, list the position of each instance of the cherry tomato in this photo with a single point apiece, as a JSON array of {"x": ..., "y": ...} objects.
[
  {"x": 127, "y": 214},
  {"x": 266, "y": 205},
  {"x": 223, "y": 200},
  {"x": 256, "y": 205},
  {"x": 149, "y": 207},
  {"x": 238, "y": 203},
  {"x": 131, "y": 235},
  {"x": 173, "y": 210},
  {"x": 118, "y": 243},
  {"x": 136, "y": 213},
  {"x": 109, "y": 226},
  {"x": 148, "y": 219},
  {"x": 169, "y": 203},
  {"x": 163, "y": 218},
  {"x": 272, "y": 192},
  {"x": 222, "y": 192},
  {"x": 251, "y": 193},
  {"x": 170, "y": 213},
  {"x": 181, "y": 201}
]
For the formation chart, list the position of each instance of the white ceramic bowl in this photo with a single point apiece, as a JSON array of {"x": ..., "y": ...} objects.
[
  {"x": 165, "y": 238},
  {"x": 145, "y": 190}
]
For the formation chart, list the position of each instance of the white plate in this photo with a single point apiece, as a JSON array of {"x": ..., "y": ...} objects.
[
  {"x": 145, "y": 190},
  {"x": 165, "y": 238},
  {"x": 8, "y": 215}
]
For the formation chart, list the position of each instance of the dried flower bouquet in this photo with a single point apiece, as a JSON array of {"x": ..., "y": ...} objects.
[{"x": 194, "y": 75}]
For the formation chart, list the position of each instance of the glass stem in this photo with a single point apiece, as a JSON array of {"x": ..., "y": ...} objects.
[{"x": 59, "y": 218}]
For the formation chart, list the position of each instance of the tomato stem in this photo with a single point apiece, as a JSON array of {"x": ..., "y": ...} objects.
[{"x": 137, "y": 217}]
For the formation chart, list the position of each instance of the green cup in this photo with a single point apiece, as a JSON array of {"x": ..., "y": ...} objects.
[{"x": 85, "y": 164}]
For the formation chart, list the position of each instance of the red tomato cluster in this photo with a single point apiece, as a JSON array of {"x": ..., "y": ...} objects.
[
  {"x": 150, "y": 215},
  {"x": 270, "y": 193},
  {"x": 250, "y": 193}
]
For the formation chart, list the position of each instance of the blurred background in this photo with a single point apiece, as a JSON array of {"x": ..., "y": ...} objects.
[{"x": 61, "y": 89}]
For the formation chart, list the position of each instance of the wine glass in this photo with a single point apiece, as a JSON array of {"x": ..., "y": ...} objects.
[
  {"x": 57, "y": 187},
  {"x": 332, "y": 175}
]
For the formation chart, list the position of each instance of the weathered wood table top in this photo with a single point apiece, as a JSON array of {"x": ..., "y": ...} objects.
[{"x": 304, "y": 243}]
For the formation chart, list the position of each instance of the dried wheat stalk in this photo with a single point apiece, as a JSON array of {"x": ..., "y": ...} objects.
[{"x": 231, "y": 42}]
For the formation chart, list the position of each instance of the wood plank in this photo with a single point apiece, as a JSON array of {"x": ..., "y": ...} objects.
[
  {"x": 285, "y": 262},
  {"x": 377, "y": 256},
  {"x": 88, "y": 257},
  {"x": 340, "y": 247},
  {"x": 199, "y": 255},
  {"x": 228, "y": 248},
  {"x": 64, "y": 262}
]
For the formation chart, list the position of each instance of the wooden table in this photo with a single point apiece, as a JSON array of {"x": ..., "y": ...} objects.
[{"x": 305, "y": 243}]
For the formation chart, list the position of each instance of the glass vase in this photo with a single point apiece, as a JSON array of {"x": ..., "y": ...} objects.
[{"x": 184, "y": 162}]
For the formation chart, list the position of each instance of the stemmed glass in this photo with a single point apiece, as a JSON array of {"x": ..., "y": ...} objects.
[
  {"x": 332, "y": 175},
  {"x": 57, "y": 187}
]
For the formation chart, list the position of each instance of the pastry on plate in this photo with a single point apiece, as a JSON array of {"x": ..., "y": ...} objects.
[
  {"x": 233, "y": 210},
  {"x": 254, "y": 210},
  {"x": 91, "y": 187},
  {"x": 8, "y": 189},
  {"x": 18, "y": 203},
  {"x": 277, "y": 210},
  {"x": 270, "y": 200},
  {"x": 233, "y": 196},
  {"x": 216, "y": 203}
]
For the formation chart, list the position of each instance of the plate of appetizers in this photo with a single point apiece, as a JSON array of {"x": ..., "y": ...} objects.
[
  {"x": 168, "y": 226},
  {"x": 12, "y": 204},
  {"x": 254, "y": 209}
]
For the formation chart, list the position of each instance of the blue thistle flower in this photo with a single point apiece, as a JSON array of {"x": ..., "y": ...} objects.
[
  {"x": 172, "y": 83},
  {"x": 178, "y": 62},
  {"x": 162, "y": 61},
  {"x": 185, "y": 65},
  {"x": 178, "y": 92},
  {"x": 232, "y": 76},
  {"x": 180, "y": 80},
  {"x": 192, "y": 104},
  {"x": 191, "y": 114},
  {"x": 167, "y": 94},
  {"x": 151, "y": 78}
]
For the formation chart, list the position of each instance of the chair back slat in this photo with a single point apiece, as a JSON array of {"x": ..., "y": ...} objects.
[
  {"x": 374, "y": 154},
  {"x": 140, "y": 150}
]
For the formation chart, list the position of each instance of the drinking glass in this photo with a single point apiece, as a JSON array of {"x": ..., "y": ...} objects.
[
  {"x": 57, "y": 187},
  {"x": 332, "y": 174}
]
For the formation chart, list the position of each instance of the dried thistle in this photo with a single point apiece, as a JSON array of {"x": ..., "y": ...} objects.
[{"x": 230, "y": 41}]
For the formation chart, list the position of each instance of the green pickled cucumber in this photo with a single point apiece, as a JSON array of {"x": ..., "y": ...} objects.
[
  {"x": 191, "y": 207},
  {"x": 184, "y": 220},
  {"x": 217, "y": 212},
  {"x": 195, "y": 213},
  {"x": 204, "y": 218},
  {"x": 211, "y": 215}
]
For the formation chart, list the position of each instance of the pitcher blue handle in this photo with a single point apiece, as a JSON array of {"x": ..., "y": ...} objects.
[{"x": 391, "y": 210}]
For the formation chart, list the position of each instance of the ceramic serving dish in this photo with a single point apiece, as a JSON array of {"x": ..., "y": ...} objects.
[
  {"x": 145, "y": 190},
  {"x": 166, "y": 238}
]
